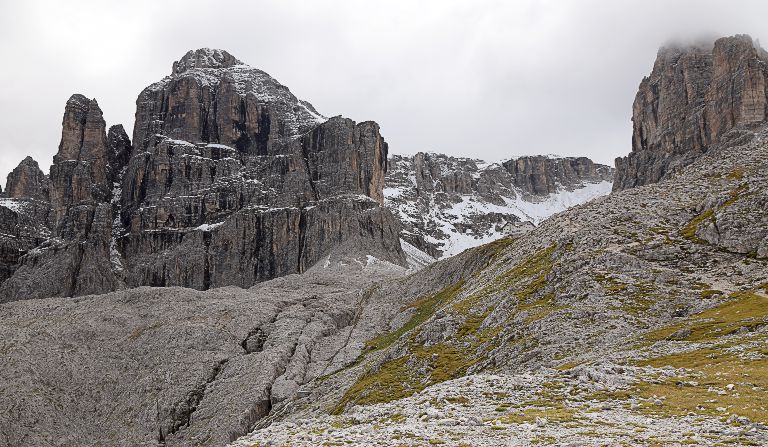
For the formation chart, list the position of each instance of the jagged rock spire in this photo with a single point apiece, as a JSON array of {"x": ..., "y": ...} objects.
[{"x": 80, "y": 168}]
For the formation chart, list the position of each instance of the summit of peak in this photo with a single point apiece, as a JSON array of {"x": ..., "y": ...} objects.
[{"x": 205, "y": 58}]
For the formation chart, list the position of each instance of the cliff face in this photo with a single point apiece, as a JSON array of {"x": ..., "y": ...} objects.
[
  {"x": 542, "y": 175},
  {"x": 213, "y": 97},
  {"x": 72, "y": 255},
  {"x": 694, "y": 98},
  {"x": 81, "y": 172},
  {"x": 231, "y": 180},
  {"x": 448, "y": 204}
]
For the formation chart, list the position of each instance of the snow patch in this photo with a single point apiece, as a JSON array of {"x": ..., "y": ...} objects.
[
  {"x": 416, "y": 258},
  {"x": 209, "y": 227},
  {"x": 14, "y": 205},
  {"x": 391, "y": 193}
]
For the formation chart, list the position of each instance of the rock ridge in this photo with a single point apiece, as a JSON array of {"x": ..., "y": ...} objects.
[{"x": 448, "y": 204}]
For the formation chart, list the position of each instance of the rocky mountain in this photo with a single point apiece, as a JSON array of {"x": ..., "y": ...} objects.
[
  {"x": 638, "y": 318},
  {"x": 643, "y": 311},
  {"x": 230, "y": 180},
  {"x": 448, "y": 204},
  {"x": 695, "y": 97}
]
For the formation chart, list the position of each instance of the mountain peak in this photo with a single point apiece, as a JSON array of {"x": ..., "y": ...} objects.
[{"x": 205, "y": 58}]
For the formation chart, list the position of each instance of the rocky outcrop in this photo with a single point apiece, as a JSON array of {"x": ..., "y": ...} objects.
[
  {"x": 27, "y": 181},
  {"x": 234, "y": 180},
  {"x": 25, "y": 215},
  {"x": 541, "y": 175},
  {"x": 448, "y": 204},
  {"x": 81, "y": 172},
  {"x": 24, "y": 225},
  {"x": 79, "y": 258},
  {"x": 120, "y": 149},
  {"x": 231, "y": 180},
  {"x": 343, "y": 157},
  {"x": 694, "y": 98}
]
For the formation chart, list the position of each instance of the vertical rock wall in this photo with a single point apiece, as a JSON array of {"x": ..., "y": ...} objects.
[{"x": 694, "y": 97}]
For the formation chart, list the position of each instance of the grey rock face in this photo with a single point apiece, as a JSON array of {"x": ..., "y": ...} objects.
[
  {"x": 120, "y": 149},
  {"x": 255, "y": 244},
  {"x": 735, "y": 221},
  {"x": 78, "y": 258},
  {"x": 80, "y": 171},
  {"x": 205, "y": 58},
  {"x": 542, "y": 175},
  {"x": 232, "y": 180},
  {"x": 447, "y": 204},
  {"x": 25, "y": 215},
  {"x": 24, "y": 225},
  {"x": 211, "y": 97},
  {"x": 27, "y": 181},
  {"x": 77, "y": 262},
  {"x": 695, "y": 97},
  {"x": 240, "y": 181}
]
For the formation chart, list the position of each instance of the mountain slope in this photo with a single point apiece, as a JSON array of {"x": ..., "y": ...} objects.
[{"x": 609, "y": 292}]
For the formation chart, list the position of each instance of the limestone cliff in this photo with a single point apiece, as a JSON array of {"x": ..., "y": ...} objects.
[
  {"x": 694, "y": 98},
  {"x": 230, "y": 180}
]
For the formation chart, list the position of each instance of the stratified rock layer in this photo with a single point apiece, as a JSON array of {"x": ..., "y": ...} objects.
[
  {"x": 695, "y": 97},
  {"x": 80, "y": 171}
]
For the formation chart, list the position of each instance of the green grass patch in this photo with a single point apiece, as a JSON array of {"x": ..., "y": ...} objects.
[
  {"x": 558, "y": 413},
  {"x": 524, "y": 279},
  {"x": 744, "y": 309},
  {"x": 711, "y": 293},
  {"x": 689, "y": 230},
  {"x": 424, "y": 309},
  {"x": 639, "y": 295},
  {"x": 407, "y": 375},
  {"x": 736, "y": 174},
  {"x": 713, "y": 370}
]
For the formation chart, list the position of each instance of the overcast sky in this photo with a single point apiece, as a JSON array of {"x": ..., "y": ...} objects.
[{"x": 487, "y": 79}]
